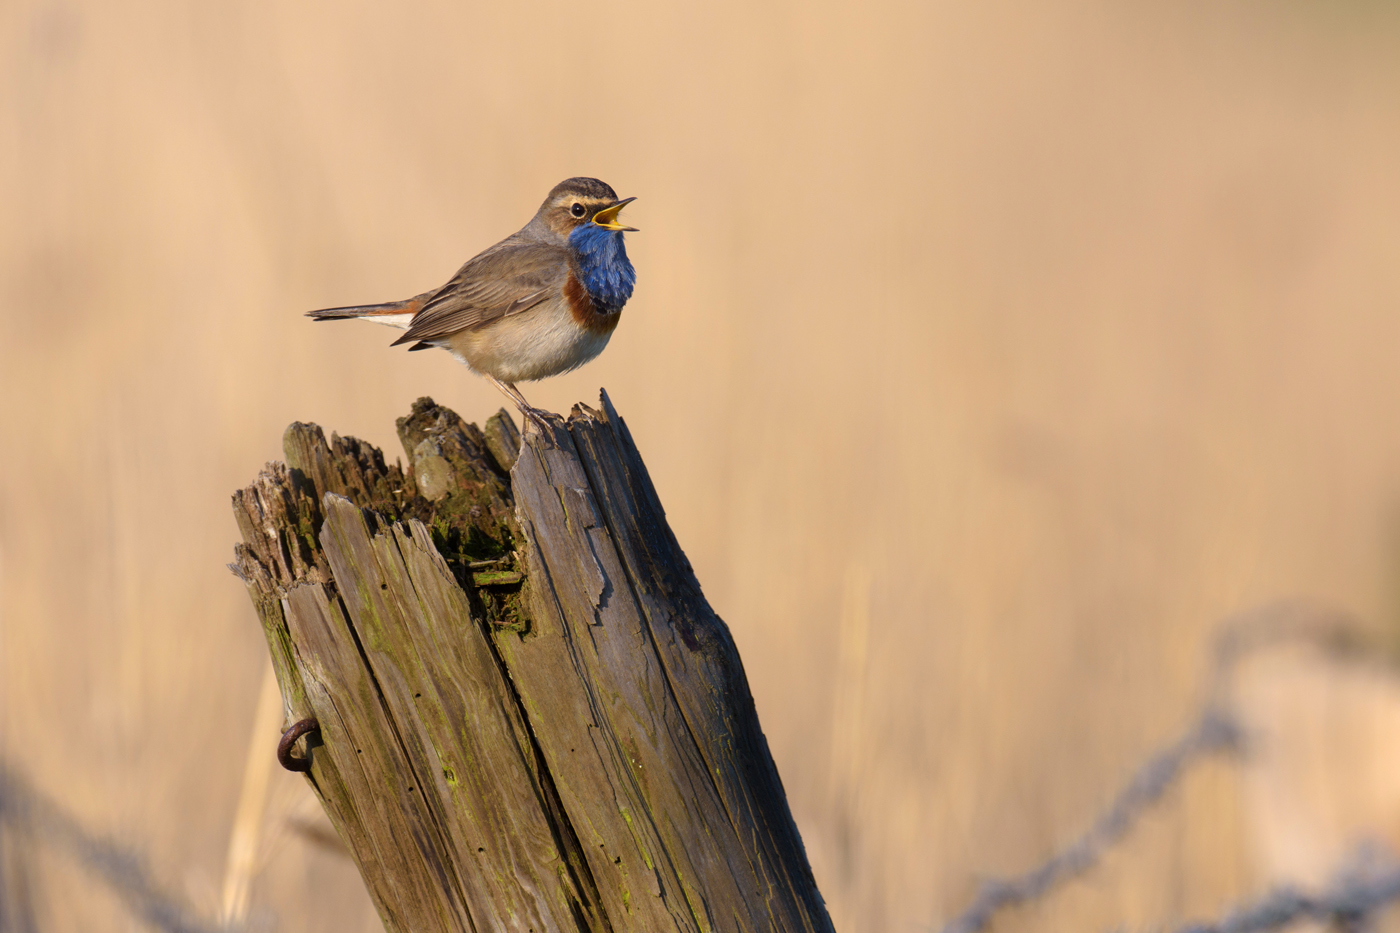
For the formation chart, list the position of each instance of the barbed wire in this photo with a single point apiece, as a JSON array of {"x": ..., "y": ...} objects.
[
  {"x": 27, "y": 811},
  {"x": 1348, "y": 905},
  {"x": 1215, "y": 730}
]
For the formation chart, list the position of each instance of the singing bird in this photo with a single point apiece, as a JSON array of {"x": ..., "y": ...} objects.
[{"x": 541, "y": 302}]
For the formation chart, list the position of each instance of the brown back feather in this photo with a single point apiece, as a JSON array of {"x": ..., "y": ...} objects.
[{"x": 510, "y": 277}]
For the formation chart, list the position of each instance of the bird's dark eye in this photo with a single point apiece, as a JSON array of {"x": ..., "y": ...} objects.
[{"x": 577, "y": 210}]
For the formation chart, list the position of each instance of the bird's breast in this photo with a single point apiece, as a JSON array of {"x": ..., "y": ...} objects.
[
  {"x": 544, "y": 341},
  {"x": 585, "y": 310}
]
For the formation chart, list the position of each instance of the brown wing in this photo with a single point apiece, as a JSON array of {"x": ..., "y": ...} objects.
[{"x": 510, "y": 277}]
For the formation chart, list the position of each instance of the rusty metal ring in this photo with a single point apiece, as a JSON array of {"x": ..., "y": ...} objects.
[{"x": 289, "y": 738}]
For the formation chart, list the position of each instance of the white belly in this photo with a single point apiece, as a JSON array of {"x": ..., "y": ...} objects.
[{"x": 544, "y": 341}]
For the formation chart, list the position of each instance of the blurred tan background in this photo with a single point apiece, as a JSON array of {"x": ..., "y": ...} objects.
[{"x": 986, "y": 356}]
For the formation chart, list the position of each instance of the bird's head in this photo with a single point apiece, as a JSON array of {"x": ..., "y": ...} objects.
[{"x": 575, "y": 202}]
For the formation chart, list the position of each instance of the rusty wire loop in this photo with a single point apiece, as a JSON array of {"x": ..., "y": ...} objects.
[{"x": 289, "y": 738}]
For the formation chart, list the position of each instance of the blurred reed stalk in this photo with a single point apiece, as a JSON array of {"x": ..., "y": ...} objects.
[
  {"x": 847, "y": 727},
  {"x": 242, "y": 864},
  {"x": 17, "y": 913}
]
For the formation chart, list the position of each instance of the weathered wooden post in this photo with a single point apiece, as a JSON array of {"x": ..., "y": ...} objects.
[{"x": 529, "y": 717}]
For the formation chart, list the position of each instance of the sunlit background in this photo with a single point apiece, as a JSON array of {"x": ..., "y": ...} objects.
[{"x": 986, "y": 356}]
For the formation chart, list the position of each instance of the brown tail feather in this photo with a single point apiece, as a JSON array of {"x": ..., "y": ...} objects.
[{"x": 407, "y": 306}]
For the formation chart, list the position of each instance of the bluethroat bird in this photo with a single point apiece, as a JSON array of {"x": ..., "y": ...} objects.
[{"x": 541, "y": 302}]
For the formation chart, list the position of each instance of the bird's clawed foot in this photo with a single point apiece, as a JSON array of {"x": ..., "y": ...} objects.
[{"x": 538, "y": 415}]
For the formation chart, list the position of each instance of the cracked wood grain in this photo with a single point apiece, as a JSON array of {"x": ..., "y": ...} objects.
[{"x": 564, "y": 743}]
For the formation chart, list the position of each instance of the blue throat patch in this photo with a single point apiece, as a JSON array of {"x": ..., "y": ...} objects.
[{"x": 604, "y": 269}]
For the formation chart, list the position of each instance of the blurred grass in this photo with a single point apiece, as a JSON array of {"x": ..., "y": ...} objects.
[{"x": 1074, "y": 324}]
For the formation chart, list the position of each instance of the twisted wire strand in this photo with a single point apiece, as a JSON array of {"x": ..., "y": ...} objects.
[
  {"x": 25, "y": 810},
  {"x": 1216, "y": 730},
  {"x": 1348, "y": 904}
]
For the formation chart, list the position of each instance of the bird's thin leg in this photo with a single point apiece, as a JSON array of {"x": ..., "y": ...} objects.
[{"x": 529, "y": 411}]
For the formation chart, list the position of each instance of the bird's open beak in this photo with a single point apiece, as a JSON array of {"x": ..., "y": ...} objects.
[{"x": 607, "y": 217}]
